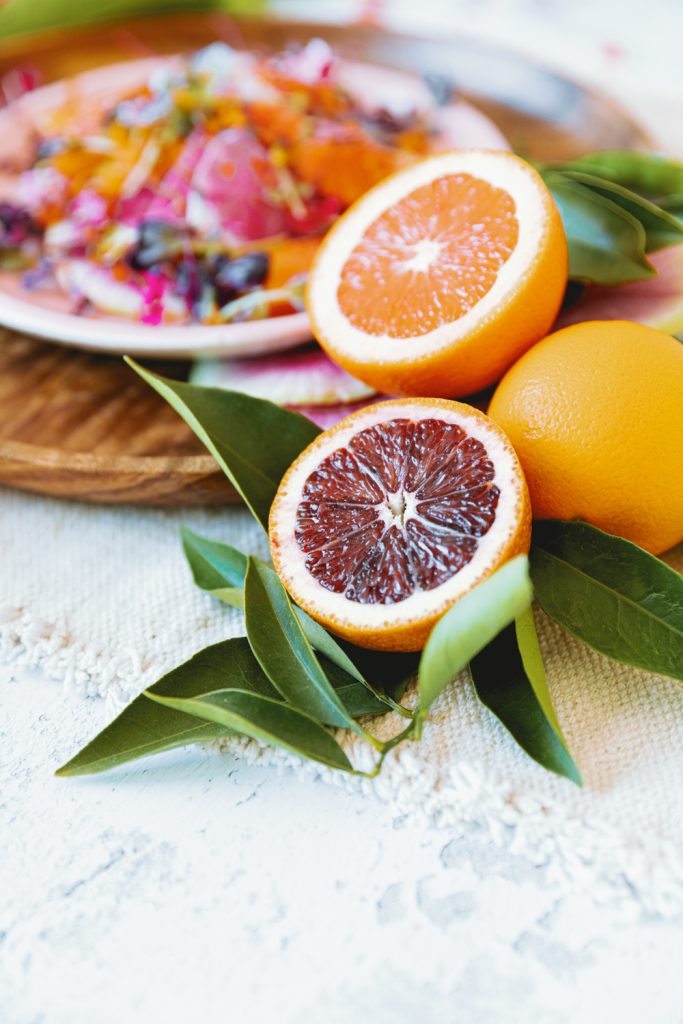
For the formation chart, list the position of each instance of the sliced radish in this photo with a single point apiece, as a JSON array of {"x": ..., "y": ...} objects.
[
  {"x": 656, "y": 302},
  {"x": 325, "y": 416},
  {"x": 230, "y": 185},
  {"x": 303, "y": 378},
  {"x": 84, "y": 280}
]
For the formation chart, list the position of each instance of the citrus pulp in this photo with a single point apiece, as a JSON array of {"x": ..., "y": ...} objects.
[
  {"x": 392, "y": 515},
  {"x": 437, "y": 279}
]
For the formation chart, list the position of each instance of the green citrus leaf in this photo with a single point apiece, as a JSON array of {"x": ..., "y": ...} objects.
[
  {"x": 661, "y": 227},
  {"x": 470, "y": 625},
  {"x": 532, "y": 661},
  {"x": 646, "y": 173},
  {"x": 216, "y": 567},
  {"x": 140, "y": 733},
  {"x": 357, "y": 697},
  {"x": 388, "y": 670},
  {"x": 617, "y": 598},
  {"x": 220, "y": 569},
  {"x": 283, "y": 651},
  {"x": 145, "y": 728},
  {"x": 263, "y": 719},
  {"x": 509, "y": 677},
  {"x": 37, "y": 15},
  {"x": 252, "y": 440},
  {"x": 325, "y": 644},
  {"x": 606, "y": 243},
  {"x": 673, "y": 204}
]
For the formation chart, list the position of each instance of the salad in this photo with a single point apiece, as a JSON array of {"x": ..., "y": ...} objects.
[{"x": 200, "y": 197}]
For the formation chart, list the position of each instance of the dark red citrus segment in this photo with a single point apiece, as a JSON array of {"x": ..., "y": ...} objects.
[
  {"x": 434, "y": 444},
  {"x": 382, "y": 576},
  {"x": 400, "y": 509},
  {"x": 437, "y": 554},
  {"x": 325, "y": 522},
  {"x": 465, "y": 468},
  {"x": 335, "y": 564},
  {"x": 469, "y": 512},
  {"x": 381, "y": 452},
  {"x": 342, "y": 478}
]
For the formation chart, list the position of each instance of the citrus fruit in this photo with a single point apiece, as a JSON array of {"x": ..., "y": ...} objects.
[
  {"x": 389, "y": 517},
  {"x": 656, "y": 301},
  {"x": 594, "y": 413},
  {"x": 438, "y": 278}
]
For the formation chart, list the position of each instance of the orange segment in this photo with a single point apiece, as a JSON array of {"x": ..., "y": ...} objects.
[
  {"x": 425, "y": 244},
  {"x": 437, "y": 279},
  {"x": 288, "y": 258},
  {"x": 344, "y": 167},
  {"x": 389, "y": 517}
]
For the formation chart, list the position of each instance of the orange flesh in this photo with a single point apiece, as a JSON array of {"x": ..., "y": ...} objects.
[
  {"x": 429, "y": 259},
  {"x": 288, "y": 258},
  {"x": 400, "y": 509}
]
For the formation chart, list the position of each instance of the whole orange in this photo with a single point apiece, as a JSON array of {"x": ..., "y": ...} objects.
[{"x": 595, "y": 413}]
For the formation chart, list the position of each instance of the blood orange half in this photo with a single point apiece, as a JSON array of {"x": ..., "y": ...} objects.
[
  {"x": 388, "y": 518},
  {"x": 441, "y": 276}
]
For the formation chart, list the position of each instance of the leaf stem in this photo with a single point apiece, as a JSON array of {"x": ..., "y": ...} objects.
[
  {"x": 389, "y": 701},
  {"x": 406, "y": 734},
  {"x": 384, "y": 746},
  {"x": 376, "y": 744},
  {"x": 418, "y": 723}
]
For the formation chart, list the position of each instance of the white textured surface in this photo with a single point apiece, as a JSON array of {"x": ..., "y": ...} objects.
[
  {"x": 102, "y": 599},
  {"x": 199, "y": 887}
]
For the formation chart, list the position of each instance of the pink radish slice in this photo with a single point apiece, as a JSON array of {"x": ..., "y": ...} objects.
[
  {"x": 81, "y": 279},
  {"x": 231, "y": 182},
  {"x": 325, "y": 416},
  {"x": 657, "y": 302},
  {"x": 306, "y": 377}
]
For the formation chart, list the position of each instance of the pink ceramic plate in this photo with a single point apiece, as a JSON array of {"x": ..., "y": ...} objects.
[{"x": 46, "y": 314}]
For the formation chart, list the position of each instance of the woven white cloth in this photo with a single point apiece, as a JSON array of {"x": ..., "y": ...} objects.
[{"x": 102, "y": 600}]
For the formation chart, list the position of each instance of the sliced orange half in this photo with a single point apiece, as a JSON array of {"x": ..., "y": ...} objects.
[
  {"x": 441, "y": 276},
  {"x": 387, "y": 519}
]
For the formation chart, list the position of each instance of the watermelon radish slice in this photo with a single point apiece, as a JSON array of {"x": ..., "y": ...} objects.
[
  {"x": 657, "y": 301},
  {"x": 303, "y": 378},
  {"x": 325, "y": 416}
]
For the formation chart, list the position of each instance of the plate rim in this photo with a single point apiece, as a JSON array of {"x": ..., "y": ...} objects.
[
  {"x": 72, "y": 331},
  {"x": 102, "y": 334},
  {"x": 27, "y": 43},
  {"x": 203, "y": 464}
]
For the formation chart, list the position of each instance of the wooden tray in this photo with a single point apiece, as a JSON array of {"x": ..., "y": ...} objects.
[
  {"x": 84, "y": 426},
  {"x": 76, "y": 425}
]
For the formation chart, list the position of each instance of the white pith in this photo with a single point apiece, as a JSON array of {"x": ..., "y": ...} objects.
[
  {"x": 423, "y": 255},
  {"x": 365, "y": 617},
  {"x": 496, "y": 168}
]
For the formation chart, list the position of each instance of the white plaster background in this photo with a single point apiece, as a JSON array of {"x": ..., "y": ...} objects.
[{"x": 198, "y": 885}]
